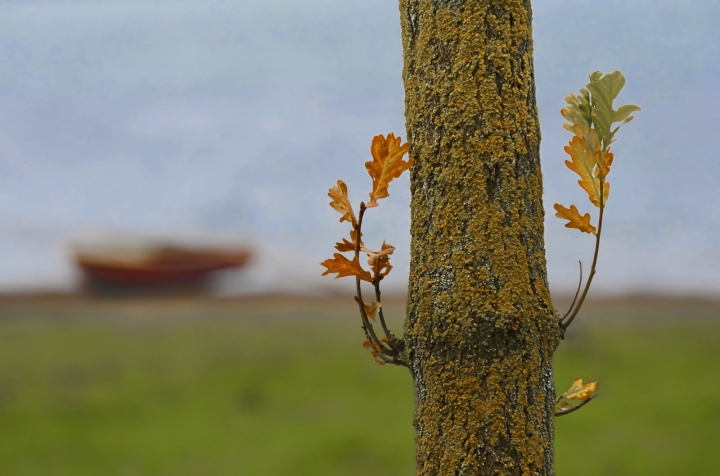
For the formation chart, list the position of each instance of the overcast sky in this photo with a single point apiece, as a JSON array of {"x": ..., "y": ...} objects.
[{"x": 235, "y": 117}]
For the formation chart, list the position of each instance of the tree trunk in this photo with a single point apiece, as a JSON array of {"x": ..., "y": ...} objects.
[{"x": 480, "y": 329}]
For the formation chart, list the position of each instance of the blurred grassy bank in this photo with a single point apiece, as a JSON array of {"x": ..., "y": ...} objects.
[{"x": 278, "y": 386}]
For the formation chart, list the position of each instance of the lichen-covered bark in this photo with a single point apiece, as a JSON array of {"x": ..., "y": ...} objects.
[{"x": 480, "y": 329}]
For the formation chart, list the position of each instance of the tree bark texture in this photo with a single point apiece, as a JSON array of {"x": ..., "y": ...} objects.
[{"x": 480, "y": 330}]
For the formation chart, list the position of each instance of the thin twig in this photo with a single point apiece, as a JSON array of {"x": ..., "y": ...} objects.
[
  {"x": 402, "y": 363},
  {"x": 367, "y": 326},
  {"x": 387, "y": 360},
  {"x": 565, "y": 325},
  {"x": 368, "y": 329},
  {"x": 392, "y": 340},
  {"x": 577, "y": 291},
  {"x": 567, "y": 411},
  {"x": 376, "y": 283}
]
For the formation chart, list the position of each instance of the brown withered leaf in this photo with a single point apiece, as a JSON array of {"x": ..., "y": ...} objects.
[
  {"x": 580, "y": 222},
  {"x": 345, "y": 245},
  {"x": 341, "y": 203},
  {"x": 371, "y": 310},
  {"x": 387, "y": 164},
  {"x": 380, "y": 260},
  {"x": 584, "y": 162},
  {"x": 578, "y": 391},
  {"x": 345, "y": 267}
]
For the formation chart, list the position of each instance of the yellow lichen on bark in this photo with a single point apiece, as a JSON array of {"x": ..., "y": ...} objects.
[{"x": 480, "y": 329}]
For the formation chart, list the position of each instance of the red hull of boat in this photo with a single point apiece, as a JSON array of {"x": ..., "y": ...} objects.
[{"x": 180, "y": 266}]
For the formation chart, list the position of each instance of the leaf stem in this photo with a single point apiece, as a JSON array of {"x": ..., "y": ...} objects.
[
  {"x": 567, "y": 411},
  {"x": 563, "y": 324}
]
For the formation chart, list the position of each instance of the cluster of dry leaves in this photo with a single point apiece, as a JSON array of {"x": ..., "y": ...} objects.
[
  {"x": 387, "y": 164},
  {"x": 577, "y": 391},
  {"x": 591, "y": 116}
]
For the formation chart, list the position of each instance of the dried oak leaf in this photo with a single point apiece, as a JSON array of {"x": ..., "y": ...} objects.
[
  {"x": 345, "y": 245},
  {"x": 584, "y": 163},
  {"x": 345, "y": 267},
  {"x": 341, "y": 203},
  {"x": 580, "y": 222},
  {"x": 371, "y": 310},
  {"x": 380, "y": 260},
  {"x": 578, "y": 391},
  {"x": 387, "y": 164},
  {"x": 603, "y": 158}
]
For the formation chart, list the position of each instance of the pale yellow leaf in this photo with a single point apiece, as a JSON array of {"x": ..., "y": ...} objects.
[
  {"x": 371, "y": 310},
  {"x": 578, "y": 391}
]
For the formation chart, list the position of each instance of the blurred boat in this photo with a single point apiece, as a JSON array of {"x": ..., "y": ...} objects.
[{"x": 154, "y": 264}]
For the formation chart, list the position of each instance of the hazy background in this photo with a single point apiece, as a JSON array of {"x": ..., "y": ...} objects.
[
  {"x": 182, "y": 118},
  {"x": 226, "y": 122}
]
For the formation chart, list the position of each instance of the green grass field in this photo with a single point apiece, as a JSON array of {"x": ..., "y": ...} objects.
[{"x": 284, "y": 387}]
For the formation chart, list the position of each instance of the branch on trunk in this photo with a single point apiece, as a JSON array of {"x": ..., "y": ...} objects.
[{"x": 387, "y": 164}]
